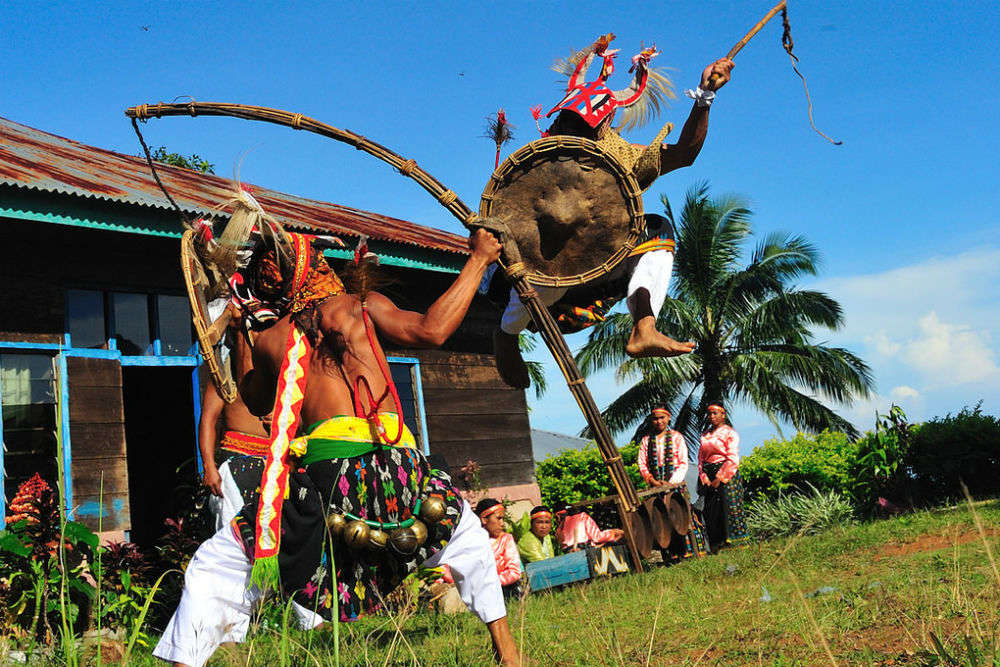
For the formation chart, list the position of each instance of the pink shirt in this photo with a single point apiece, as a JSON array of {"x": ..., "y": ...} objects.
[
  {"x": 508, "y": 559},
  {"x": 679, "y": 448},
  {"x": 582, "y": 529},
  {"x": 721, "y": 445}
]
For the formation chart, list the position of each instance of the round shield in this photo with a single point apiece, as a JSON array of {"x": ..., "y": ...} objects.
[
  {"x": 572, "y": 209},
  {"x": 209, "y": 330},
  {"x": 679, "y": 512}
]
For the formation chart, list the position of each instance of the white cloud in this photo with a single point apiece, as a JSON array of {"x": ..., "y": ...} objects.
[
  {"x": 950, "y": 354},
  {"x": 903, "y": 392}
]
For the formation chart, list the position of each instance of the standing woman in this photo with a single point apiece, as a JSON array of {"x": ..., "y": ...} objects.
[{"x": 719, "y": 481}]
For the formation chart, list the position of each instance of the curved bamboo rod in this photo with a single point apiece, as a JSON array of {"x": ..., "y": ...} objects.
[{"x": 297, "y": 121}]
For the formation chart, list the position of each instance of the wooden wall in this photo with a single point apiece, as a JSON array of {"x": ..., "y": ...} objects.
[
  {"x": 472, "y": 414},
  {"x": 97, "y": 441}
]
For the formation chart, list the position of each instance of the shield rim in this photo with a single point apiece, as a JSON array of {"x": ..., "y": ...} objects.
[{"x": 627, "y": 185}]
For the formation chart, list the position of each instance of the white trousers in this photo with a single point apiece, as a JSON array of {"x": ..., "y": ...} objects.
[
  {"x": 651, "y": 270},
  {"x": 231, "y": 502},
  {"x": 217, "y": 601}
]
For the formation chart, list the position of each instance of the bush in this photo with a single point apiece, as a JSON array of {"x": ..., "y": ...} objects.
[
  {"x": 580, "y": 474},
  {"x": 879, "y": 471},
  {"x": 799, "y": 512},
  {"x": 953, "y": 449},
  {"x": 818, "y": 461}
]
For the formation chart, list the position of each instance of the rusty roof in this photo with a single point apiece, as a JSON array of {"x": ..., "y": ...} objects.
[{"x": 33, "y": 159}]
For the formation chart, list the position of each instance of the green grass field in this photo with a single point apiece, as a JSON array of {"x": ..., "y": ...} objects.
[{"x": 898, "y": 586}]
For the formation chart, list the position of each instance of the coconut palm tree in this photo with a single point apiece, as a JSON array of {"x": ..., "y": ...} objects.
[{"x": 752, "y": 327}]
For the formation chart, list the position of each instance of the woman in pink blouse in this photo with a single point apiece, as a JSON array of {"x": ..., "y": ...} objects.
[
  {"x": 719, "y": 481},
  {"x": 491, "y": 513},
  {"x": 663, "y": 461}
]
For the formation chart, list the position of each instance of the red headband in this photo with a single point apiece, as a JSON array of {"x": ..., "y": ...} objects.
[
  {"x": 541, "y": 513},
  {"x": 492, "y": 510},
  {"x": 664, "y": 410},
  {"x": 716, "y": 405}
]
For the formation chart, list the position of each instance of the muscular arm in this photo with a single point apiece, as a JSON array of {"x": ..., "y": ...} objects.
[
  {"x": 684, "y": 152},
  {"x": 431, "y": 329},
  {"x": 211, "y": 410}
]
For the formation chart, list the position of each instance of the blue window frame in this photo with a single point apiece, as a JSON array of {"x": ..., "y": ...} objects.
[
  {"x": 406, "y": 376},
  {"x": 145, "y": 329}
]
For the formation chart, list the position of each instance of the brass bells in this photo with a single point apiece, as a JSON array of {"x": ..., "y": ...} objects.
[
  {"x": 402, "y": 537},
  {"x": 433, "y": 509}
]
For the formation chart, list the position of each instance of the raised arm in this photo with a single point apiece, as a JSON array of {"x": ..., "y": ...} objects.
[
  {"x": 684, "y": 152},
  {"x": 431, "y": 329}
]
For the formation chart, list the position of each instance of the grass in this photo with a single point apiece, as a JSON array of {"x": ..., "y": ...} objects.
[{"x": 921, "y": 589}]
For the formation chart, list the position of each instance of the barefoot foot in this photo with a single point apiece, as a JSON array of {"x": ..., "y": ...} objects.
[
  {"x": 510, "y": 363},
  {"x": 651, "y": 343}
]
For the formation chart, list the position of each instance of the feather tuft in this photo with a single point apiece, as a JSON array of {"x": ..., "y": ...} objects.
[{"x": 659, "y": 90}]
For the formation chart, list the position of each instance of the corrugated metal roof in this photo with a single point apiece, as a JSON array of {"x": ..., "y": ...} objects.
[{"x": 33, "y": 159}]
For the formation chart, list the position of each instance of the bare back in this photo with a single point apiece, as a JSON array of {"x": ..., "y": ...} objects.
[{"x": 343, "y": 355}]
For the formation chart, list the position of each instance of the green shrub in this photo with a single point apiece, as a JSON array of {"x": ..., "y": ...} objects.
[
  {"x": 946, "y": 450},
  {"x": 806, "y": 512},
  {"x": 580, "y": 474},
  {"x": 821, "y": 461},
  {"x": 879, "y": 468}
]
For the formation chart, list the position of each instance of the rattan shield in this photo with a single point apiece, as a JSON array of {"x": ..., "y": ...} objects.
[
  {"x": 572, "y": 208},
  {"x": 209, "y": 332}
]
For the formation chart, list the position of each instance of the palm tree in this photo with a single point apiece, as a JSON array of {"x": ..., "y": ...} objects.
[
  {"x": 752, "y": 327},
  {"x": 536, "y": 370}
]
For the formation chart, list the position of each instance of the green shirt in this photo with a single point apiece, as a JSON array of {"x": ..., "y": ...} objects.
[{"x": 532, "y": 549}]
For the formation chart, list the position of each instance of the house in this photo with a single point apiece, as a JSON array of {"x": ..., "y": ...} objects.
[{"x": 100, "y": 376}]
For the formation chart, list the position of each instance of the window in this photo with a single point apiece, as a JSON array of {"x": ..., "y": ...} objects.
[
  {"x": 139, "y": 324},
  {"x": 404, "y": 376},
  {"x": 130, "y": 323},
  {"x": 173, "y": 318},
  {"x": 28, "y": 404},
  {"x": 85, "y": 318}
]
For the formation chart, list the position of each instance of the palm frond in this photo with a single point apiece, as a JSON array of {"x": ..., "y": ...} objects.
[
  {"x": 536, "y": 371},
  {"x": 605, "y": 345}
]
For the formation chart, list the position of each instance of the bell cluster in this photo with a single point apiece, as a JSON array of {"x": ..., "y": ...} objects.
[{"x": 361, "y": 535}]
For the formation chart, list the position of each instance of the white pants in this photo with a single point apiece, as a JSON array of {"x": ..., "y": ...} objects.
[
  {"x": 651, "y": 270},
  {"x": 231, "y": 502},
  {"x": 217, "y": 601}
]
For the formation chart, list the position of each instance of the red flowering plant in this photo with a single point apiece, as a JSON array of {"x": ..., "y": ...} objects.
[{"x": 43, "y": 562}]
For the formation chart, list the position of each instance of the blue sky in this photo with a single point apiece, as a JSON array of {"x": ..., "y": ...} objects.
[{"x": 905, "y": 212}]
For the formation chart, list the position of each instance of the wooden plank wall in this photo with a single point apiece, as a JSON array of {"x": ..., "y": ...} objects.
[
  {"x": 472, "y": 414},
  {"x": 97, "y": 437}
]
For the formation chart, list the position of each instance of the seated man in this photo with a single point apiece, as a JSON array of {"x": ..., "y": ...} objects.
[
  {"x": 537, "y": 544},
  {"x": 491, "y": 514},
  {"x": 643, "y": 278},
  {"x": 578, "y": 530},
  {"x": 355, "y": 470}
]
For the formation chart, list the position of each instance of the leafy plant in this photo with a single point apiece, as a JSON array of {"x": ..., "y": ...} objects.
[
  {"x": 955, "y": 448},
  {"x": 580, "y": 474},
  {"x": 879, "y": 469},
  {"x": 822, "y": 461},
  {"x": 44, "y": 561},
  {"x": 807, "y": 513},
  {"x": 194, "y": 161},
  {"x": 124, "y": 573}
]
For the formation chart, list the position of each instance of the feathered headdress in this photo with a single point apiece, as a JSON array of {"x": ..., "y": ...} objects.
[{"x": 595, "y": 102}]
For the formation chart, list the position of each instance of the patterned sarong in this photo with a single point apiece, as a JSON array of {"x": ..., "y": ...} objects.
[
  {"x": 343, "y": 467},
  {"x": 725, "y": 519}
]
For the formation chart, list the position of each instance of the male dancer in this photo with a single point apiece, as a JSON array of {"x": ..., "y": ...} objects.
[
  {"x": 356, "y": 459},
  {"x": 645, "y": 275}
]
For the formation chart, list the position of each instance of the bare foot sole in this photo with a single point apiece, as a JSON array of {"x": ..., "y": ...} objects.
[
  {"x": 510, "y": 363},
  {"x": 655, "y": 344}
]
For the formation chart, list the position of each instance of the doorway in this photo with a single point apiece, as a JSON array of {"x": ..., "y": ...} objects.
[{"x": 160, "y": 446}]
